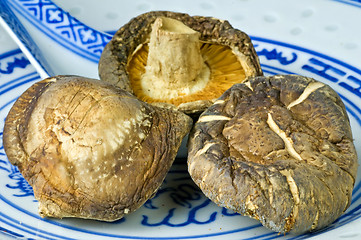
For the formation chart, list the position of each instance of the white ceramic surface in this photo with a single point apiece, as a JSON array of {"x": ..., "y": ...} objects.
[{"x": 320, "y": 39}]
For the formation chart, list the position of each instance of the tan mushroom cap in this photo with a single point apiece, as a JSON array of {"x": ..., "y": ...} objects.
[
  {"x": 90, "y": 149},
  {"x": 278, "y": 149},
  {"x": 174, "y": 58}
]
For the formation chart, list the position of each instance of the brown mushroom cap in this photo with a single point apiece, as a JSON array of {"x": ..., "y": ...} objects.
[
  {"x": 227, "y": 52},
  {"x": 90, "y": 149},
  {"x": 278, "y": 149}
]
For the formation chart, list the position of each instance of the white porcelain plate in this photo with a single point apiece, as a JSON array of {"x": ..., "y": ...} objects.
[{"x": 179, "y": 210}]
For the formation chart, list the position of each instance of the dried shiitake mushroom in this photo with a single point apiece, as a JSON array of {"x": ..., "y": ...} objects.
[
  {"x": 90, "y": 149},
  {"x": 278, "y": 149},
  {"x": 174, "y": 58}
]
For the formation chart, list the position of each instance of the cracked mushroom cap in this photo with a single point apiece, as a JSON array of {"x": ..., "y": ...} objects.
[
  {"x": 278, "y": 149},
  {"x": 174, "y": 58},
  {"x": 90, "y": 149}
]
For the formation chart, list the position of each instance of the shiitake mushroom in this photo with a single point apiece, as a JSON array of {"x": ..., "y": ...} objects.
[
  {"x": 278, "y": 149},
  {"x": 90, "y": 149},
  {"x": 173, "y": 58}
]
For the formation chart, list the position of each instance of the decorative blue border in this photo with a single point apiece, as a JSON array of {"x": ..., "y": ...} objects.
[
  {"x": 355, "y": 3},
  {"x": 13, "y": 22},
  {"x": 62, "y": 28},
  {"x": 9, "y": 62},
  {"x": 318, "y": 54},
  {"x": 24, "y": 228},
  {"x": 8, "y": 67}
]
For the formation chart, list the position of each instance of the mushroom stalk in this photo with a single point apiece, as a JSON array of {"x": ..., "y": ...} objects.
[{"x": 174, "y": 61}]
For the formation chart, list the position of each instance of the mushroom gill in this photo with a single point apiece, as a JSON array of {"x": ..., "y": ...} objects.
[
  {"x": 176, "y": 67},
  {"x": 168, "y": 58}
]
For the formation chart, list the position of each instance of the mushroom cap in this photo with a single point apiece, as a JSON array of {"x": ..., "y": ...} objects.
[
  {"x": 90, "y": 149},
  {"x": 278, "y": 149},
  {"x": 116, "y": 62}
]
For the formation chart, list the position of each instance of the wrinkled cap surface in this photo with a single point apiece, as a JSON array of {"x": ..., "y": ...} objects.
[
  {"x": 90, "y": 149},
  {"x": 228, "y": 54},
  {"x": 278, "y": 149}
]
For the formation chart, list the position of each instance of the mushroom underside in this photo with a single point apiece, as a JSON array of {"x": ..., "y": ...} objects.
[{"x": 173, "y": 58}]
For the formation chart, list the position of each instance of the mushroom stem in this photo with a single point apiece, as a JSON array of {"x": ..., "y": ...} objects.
[{"x": 174, "y": 61}]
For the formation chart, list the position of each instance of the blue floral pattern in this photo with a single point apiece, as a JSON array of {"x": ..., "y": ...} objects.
[
  {"x": 62, "y": 27},
  {"x": 179, "y": 203}
]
